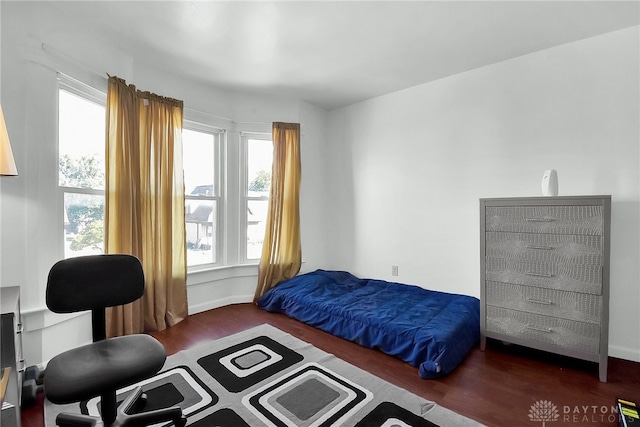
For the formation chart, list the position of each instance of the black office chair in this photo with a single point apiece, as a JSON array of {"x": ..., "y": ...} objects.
[{"x": 101, "y": 368}]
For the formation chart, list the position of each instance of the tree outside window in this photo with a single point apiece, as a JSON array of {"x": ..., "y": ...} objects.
[
  {"x": 81, "y": 172},
  {"x": 259, "y": 158}
]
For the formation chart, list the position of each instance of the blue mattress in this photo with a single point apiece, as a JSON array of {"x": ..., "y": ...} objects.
[{"x": 431, "y": 330}]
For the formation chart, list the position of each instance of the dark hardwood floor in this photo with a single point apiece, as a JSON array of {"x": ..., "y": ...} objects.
[{"x": 496, "y": 387}]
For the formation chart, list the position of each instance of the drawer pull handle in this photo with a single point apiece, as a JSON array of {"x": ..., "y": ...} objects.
[
  {"x": 539, "y": 329},
  {"x": 539, "y": 219},
  {"x": 533, "y": 273},
  {"x": 543, "y": 248},
  {"x": 537, "y": 301}
]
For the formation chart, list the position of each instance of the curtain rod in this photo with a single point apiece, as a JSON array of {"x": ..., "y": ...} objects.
[
  {"x": 105, "y": 77},
  {"x": 71, "y": 60},
  {"x": 194, "y": 110}
]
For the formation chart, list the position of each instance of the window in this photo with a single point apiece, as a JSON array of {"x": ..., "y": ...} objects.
[
  {"x": 81, "y": 173},
  {"x": 258, "y": 149},
  {"x": 202, "y": 177}
]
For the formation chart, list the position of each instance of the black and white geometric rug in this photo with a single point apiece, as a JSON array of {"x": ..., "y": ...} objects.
[{"x": 266, "y": 377}]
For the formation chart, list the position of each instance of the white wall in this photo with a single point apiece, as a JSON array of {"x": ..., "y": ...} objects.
[
  {"x": 394, "y": 181},
  {"x": 406, "y": 170},
  {"x": 36, "y": 43}
]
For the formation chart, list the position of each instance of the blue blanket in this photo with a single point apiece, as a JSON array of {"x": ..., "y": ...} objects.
[{"x": 431, "y": 330}]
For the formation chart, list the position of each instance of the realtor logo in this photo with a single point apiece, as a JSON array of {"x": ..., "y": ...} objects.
[{"x": 543, "y": 411}]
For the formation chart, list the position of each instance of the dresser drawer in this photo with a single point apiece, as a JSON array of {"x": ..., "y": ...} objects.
[
  {"x": 556, "y": 248},
  {"x": 568, "y": 277},
  {"x": 548, "y": 302},
  {"x": 559, "y": 332},
  {"x": 545, "y": 219}
]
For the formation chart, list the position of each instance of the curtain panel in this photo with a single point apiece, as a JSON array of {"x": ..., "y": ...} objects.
[
  {"x": 144, "y": 208},
  {"x": 281, "y": 251}
]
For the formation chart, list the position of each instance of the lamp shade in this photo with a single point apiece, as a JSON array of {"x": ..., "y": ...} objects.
[{"x": 7, "y": 163}]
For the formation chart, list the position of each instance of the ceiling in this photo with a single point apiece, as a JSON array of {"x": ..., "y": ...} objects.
[{"x": 333, "y": 54}]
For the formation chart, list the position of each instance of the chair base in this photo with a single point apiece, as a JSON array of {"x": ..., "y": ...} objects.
[{"x": 123, "y": 419}]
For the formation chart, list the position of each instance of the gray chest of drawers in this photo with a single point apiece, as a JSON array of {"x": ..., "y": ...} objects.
[{"x": 545, "y": 274}]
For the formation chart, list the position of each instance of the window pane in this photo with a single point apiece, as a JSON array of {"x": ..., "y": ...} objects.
[
  {"x": 81, "y": 139},
  {"x": 198, "y": 150},
  {"x": 256, "y": 220},
  {"x": 259, "y": 161},
  {"x": 83, "y": 224},
  {"x": 201, "y": 231},
  {"x": 201, "y": 188}
]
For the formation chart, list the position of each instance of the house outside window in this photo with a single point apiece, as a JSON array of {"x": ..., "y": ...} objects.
[
  {"x": 203, "y": 202},
  {"x": 81, "y": 167}
]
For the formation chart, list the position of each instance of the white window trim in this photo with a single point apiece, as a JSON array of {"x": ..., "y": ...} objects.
[{"x": 82, "y": 90}]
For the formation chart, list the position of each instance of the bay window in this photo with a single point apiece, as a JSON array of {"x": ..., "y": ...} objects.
[{"x": 226, "y": 191}]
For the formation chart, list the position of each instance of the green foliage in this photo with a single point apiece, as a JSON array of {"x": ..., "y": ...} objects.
[
  {"x": 82, "y": 172},
  {"x": 82, "y": 216},
  {"x": 262, "y": 182},
  {"x": 85, "y": 217},
  {"x": 92, "y": 236}
]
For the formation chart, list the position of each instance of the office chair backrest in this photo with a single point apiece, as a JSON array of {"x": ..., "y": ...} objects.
[{"x": 94, "y": 282}]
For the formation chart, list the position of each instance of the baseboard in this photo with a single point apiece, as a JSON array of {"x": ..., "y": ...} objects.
[{"x": 625, "y": 353}]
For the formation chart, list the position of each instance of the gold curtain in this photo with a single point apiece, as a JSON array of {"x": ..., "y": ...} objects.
[
  {"x": 281, "y": 251},
  {"x": 144, "y": 210}
]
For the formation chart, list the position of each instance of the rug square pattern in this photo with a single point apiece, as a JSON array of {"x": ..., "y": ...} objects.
[
  {"x": 248, "y": 363},
  {"x": 307, "y": 397},
  {"x": 264, "y": 376},
  {"x": 223, "y": 418},
  {"x": 388, "y": 414},
  {"x": 249, "y": 360},
  {"x": 177, "y": 386}
]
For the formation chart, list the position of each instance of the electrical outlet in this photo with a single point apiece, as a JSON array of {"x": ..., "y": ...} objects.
[{"x": 394, "y": 270}]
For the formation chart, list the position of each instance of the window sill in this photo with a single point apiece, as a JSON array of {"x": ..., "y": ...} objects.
[{"x": 210, "y": 274}]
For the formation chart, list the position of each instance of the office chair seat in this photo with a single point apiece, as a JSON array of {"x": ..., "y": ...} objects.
[{"x": 71, "y": 376}]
